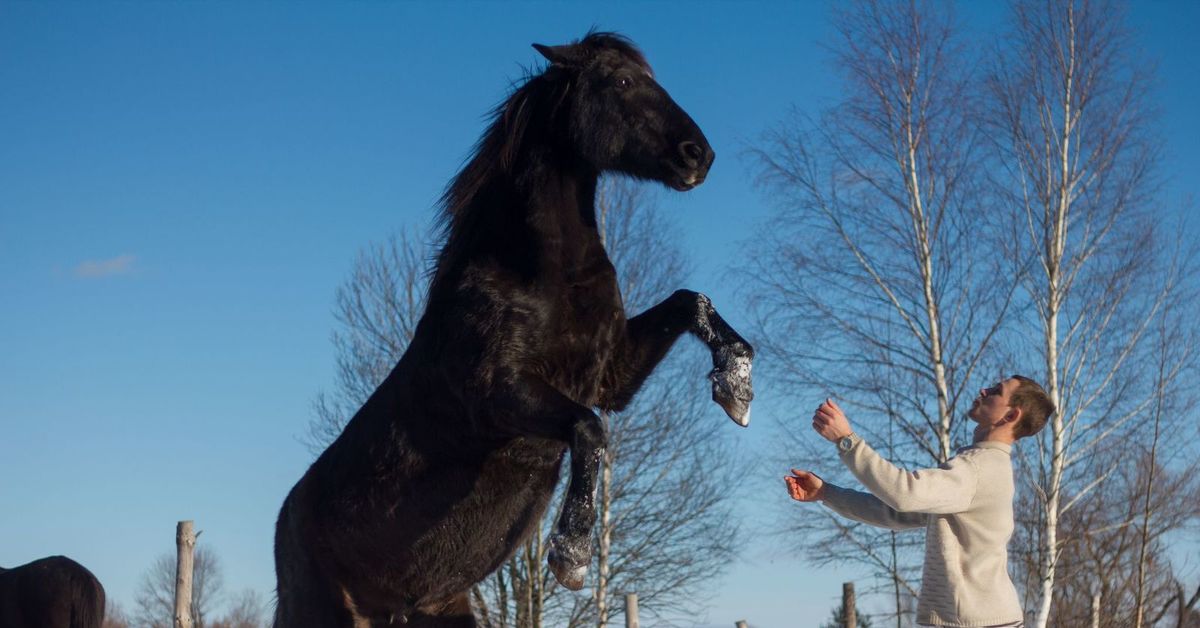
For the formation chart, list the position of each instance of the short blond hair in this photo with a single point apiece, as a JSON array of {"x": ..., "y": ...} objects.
[{"x": 1035, "y": 405}]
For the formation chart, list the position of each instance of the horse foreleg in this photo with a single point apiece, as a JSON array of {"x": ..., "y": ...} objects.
[
  {"x": 535, "y": 408},
  {"x": 650, "y": 335}
]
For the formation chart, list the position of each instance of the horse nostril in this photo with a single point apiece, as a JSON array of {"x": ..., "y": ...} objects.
[{"x": 692, "y": 153}]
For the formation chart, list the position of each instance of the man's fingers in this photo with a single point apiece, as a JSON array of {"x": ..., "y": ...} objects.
[
  {"x": 796, "y": 491},
  {"x": 800, "y": 474}
]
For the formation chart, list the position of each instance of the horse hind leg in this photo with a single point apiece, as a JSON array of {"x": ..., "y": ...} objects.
[
  {"x": 304, "y": 598},
  {"x": 304, "y": 602},
  {"x": 455, "y": 614}
]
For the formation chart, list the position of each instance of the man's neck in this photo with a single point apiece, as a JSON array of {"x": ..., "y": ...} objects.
[{"x": 994, "y": 434}]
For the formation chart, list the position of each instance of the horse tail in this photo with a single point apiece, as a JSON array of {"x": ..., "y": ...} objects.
[{"x": 87, "y": 600}]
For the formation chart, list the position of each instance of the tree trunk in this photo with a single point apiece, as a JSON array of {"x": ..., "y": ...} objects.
[
  {"x": 851, "y": 612},
  {"x": 606, "y": 476},
  {"x": 1056, "y": 247},
  {"x": 535, "y": 576},
  {"x": 1144, "y": 539},
  {"x": 921, "y": 228},
  {"x": 185, "y": 544},
  {"x": 896, "y": 582},
  {"x": 631, "y": 610},
  {"x": 1049, "y": 558}
]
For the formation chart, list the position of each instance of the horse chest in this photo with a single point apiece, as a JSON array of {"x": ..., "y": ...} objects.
[{"x": 583, "y": 332}]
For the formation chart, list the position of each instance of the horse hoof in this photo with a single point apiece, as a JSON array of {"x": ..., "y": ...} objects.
[
  {"x": 731, "y": 388},
  {"x": 568, "y": 561},
  {"x": 737, "y": 409}
]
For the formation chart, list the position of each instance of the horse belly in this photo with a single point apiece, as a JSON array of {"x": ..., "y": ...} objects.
[
  {"x": 508, "y": 503},
  {"x": 450, "y": 551}
]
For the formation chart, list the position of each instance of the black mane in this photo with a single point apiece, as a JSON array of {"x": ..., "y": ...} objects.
[
  {"x": 495, "y": 151},
  {"x": 531, "y": 110}
]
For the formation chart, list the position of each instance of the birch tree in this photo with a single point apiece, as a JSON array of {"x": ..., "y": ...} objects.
[
  {"x": 1120, "y": 534},
  {"x": 1166, "y": 505},
  {"x": 1106, "y": 534},
  {"x": 1073, "y": 122},
  {"x": 876, "y": 278}
]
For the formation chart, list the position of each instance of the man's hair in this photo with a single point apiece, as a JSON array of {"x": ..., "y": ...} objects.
[{"x": 1035, "y": 405}]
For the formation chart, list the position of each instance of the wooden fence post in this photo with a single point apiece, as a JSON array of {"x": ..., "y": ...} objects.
[
  {"x": 631, "y": 615},
  {"x": 185, "y": 544},
  {"x": 848, "y": 604},
  {"x": 1096, "y": 610}
]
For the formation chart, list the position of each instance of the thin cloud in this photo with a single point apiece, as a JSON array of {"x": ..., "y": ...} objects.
[{"x": 119, "y": 265}]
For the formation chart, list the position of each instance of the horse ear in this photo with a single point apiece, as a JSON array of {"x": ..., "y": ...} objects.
[{"x": 558, "y": 55}]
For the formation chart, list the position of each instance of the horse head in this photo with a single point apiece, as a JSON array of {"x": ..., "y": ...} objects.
[{"x": 618, "y": 118}]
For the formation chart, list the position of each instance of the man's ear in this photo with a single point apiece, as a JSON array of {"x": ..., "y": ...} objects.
[{"x": 1012, "y": 416}]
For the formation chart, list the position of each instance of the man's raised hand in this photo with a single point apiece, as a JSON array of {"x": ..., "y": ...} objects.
[{"x": 830, "y": 422}]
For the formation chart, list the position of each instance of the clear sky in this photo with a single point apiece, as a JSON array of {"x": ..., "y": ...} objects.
[{"x": 184, "y": 185}]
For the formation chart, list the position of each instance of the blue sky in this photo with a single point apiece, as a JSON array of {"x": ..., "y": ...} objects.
[{"x": 184, "y": 185}]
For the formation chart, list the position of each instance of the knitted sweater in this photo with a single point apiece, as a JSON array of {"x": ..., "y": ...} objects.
[{"x": 965, "y": 506}]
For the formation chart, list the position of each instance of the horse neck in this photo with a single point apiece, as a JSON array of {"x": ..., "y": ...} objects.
[
  {"x": 537, "y": 218},
  {"x": 560, "y": 210}
]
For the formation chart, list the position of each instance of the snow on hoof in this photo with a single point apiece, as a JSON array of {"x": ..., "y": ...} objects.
[
  {"x": 731, "y": 386},
  {"x": 568, "y": 561}
]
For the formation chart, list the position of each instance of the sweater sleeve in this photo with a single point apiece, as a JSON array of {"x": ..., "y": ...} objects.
[
  {"x": 948, "y": 489},
  {"x": 867, "y": 508}
]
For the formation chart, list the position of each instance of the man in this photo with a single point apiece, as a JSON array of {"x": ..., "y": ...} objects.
[{"x": 965, "y": 505}]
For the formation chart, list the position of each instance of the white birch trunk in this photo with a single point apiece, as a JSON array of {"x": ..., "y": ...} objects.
[
  {"x": 605, "y": 541},
  {"x": 606, "y": 470},
  {"x": 631, "y": 610},
  {"x": 1054, "y": 261},
  {"x": 924, "y": 252}
]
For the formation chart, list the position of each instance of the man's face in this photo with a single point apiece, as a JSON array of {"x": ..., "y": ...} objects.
[{"x": 992, "y": 403}]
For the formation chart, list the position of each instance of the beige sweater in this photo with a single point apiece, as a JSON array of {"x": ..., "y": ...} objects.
[{"x": 965, "y": 506}]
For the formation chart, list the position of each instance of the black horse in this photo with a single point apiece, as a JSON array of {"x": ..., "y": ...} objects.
[
  {"x": 449, "y": 465},
  {"x": 53, "y": 592}
]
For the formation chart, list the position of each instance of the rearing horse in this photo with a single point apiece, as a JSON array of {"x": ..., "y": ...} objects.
[{"x": 449, "y": 465}]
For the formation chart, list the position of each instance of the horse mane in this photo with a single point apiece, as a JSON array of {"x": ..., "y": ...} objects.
[{"x": 538, "y": 94}]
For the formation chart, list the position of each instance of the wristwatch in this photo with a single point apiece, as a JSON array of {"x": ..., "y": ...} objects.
[{"x": 845, "y": 443}]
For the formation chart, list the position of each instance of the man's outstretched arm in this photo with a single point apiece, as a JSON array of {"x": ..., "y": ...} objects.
[
  {"x": 945, "y": 490},
  {"x": 863, "y": 507}
]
